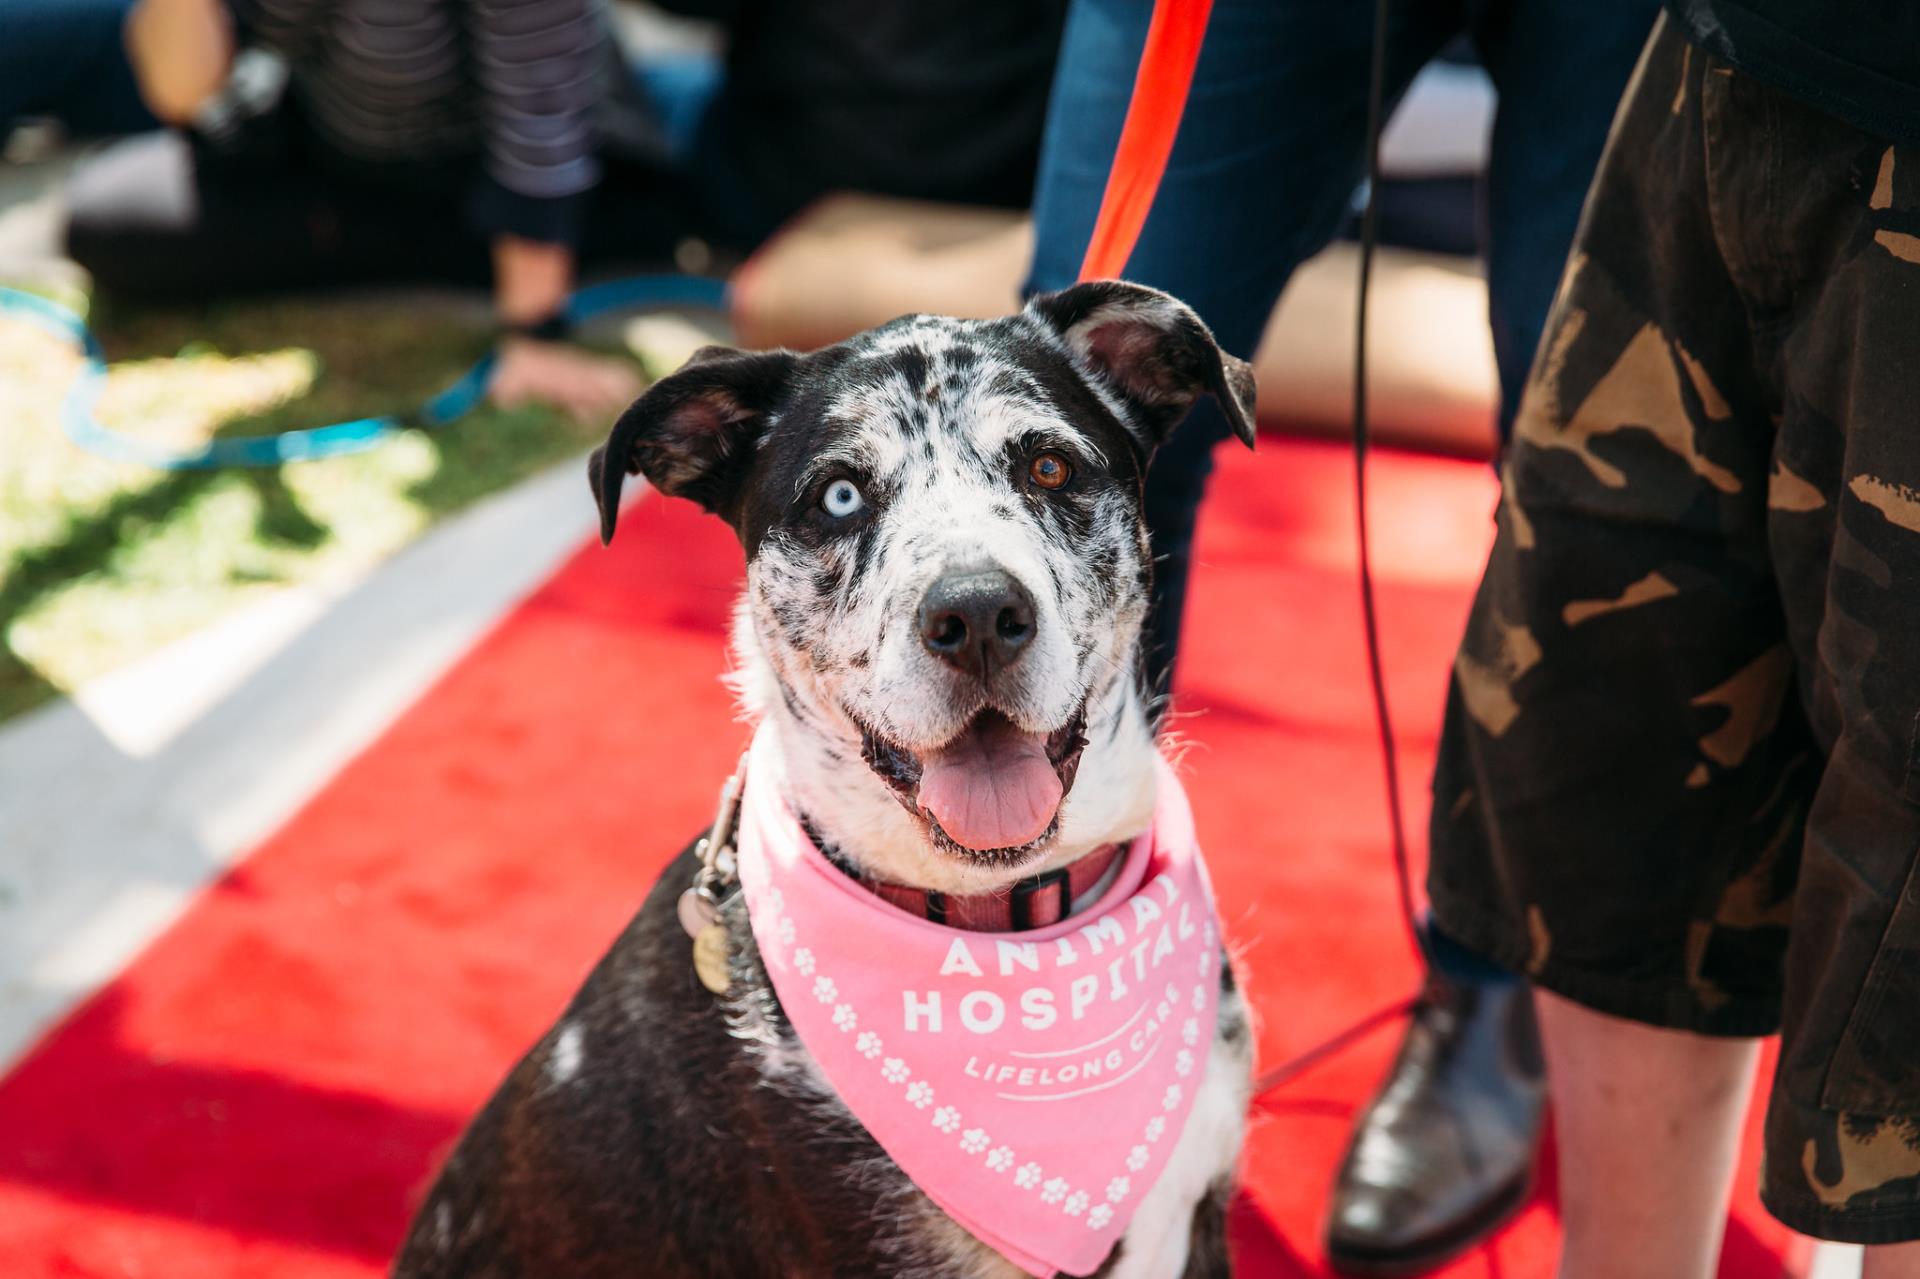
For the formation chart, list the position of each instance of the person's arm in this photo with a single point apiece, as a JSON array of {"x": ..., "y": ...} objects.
[
  {"x": 531, "y": 280},
  {"x": 181, "y": 51},
  {"x": 540, "y": 69},
  {"x": 531, "y": 283},
  {"x": 540, "y": 66}
]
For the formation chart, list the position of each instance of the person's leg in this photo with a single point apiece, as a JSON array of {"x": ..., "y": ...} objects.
[
  {"x": 1560, "y": 66},
  {"x": 66, "y": 59},
  {"x": 1625, "y": 772},
  {"x": 1782, "y": 392},
  {"x": 1654, "y": 1204},
  {"x": 1260, "y": 177},
  {"x": 1892, "y": 1261},
  {"x": 1833, "y": 222}
]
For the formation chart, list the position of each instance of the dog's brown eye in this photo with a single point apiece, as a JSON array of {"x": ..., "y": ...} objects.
[{"x": 1049, "y": 470}]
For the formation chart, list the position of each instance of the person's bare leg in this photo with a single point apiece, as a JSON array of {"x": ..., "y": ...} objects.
[
  {"x": 1892, "y": 1261},
  {"x": 1648, "y": 1126}
]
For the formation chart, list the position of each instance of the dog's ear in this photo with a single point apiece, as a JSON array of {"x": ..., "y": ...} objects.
[
  {"x": 1152, "y": 351},
  {"x": 693, "y": 433}
]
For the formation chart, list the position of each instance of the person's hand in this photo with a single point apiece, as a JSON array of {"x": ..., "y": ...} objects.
[
  {"x": 584, "y": 385},
  {"x": 181, "y": 51}
]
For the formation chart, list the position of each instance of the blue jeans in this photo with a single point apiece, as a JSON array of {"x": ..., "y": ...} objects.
[
  {"x": 1270, "y": 150},
  {"x": 65, "y": 59}
]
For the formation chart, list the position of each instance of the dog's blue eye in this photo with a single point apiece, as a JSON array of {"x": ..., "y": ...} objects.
[{"x": 841, "y": 499}]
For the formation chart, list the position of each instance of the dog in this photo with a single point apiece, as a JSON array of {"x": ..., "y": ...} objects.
[{"x": 947, "y": 572}]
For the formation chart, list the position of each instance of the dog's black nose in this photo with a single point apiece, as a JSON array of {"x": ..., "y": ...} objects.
[{"x": 979, "y": 620}]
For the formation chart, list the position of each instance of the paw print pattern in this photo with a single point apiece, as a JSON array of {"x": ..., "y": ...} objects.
[
  {"x": 784, "y": 931},
  {"x": 1117, "y": 1189},
  {"x": 1172, "y": 1098},
  {"x": 1183, "y": 1063},
  {"x": 1137, "y": 1159},
  {"x": 973, "y": 1140},
  {"x": 1199, "y": 998},
  {"x": 1000, "y": 1159},
  {"x": 946, "y": 1119},
  {"x": 844, "y": 1018},
  {"x": 803, "y": 960},
  {"x": 1099, "y": 1217},
  {"x": 1028, "y": 1177},
  {"x": 920, "y": 1094},
  {"x": 868, "y": 1045},
  {"x": 824, "y": 990},
  {"x": 1054, "y": 1191},
  {"x": 777, "y": 900},
  {"x": 1076, "y": 1203},
  {"x": 1206, "y": 962},
  {"x": 1189, "y": 1033},
  {"x": 894, "y": 1071},
  {"x": 1155, "y": 1126}
]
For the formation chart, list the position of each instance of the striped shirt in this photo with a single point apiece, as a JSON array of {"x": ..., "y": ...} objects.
[{"x": 517, "y": 83}]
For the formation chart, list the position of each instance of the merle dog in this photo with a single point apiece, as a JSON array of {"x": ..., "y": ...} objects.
[{"x": 947, "y": 568}]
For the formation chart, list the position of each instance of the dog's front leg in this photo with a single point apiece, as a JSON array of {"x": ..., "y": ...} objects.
[{"x": 1207, "y": 1251}]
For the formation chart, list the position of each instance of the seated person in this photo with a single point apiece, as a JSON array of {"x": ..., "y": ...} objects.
[{"x": 468, "y": 140}]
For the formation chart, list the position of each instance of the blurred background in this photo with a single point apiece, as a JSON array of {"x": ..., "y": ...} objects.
[{"x": 322, "y": 781}]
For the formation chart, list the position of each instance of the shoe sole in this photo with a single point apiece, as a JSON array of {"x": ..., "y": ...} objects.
[{"x": 1429, "y": 1256}]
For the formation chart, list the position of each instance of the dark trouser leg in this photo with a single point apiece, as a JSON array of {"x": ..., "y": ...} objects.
[
  {"x": 66, "y": 59},
  {"x": 1269, "y": 150},
  {"x": 160, "y": 217},
  {"x": 1259, "y": 178},
  {"x": 1175, "y": 487},
  {"x": 1444, "y": 1151},
  {"x": 153, "y": 218},
  {"x": 1547, "y": 139}
]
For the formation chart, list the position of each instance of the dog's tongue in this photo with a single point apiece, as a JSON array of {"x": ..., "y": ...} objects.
[{"x": 993, "y": 787}]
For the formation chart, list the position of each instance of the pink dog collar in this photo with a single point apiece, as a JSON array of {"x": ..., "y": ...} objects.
[
  {"x": 1031, "y": 903},
  {"x": 1032, "y": 1083}
]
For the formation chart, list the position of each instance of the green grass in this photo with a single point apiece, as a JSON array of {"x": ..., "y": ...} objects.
[{"x": 102, "y": 562}]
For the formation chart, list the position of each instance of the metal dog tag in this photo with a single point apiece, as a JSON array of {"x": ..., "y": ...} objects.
[
  {"x": 710, "y": 958},
  {"x": 696, "y": 912},
  {"x": 699, "y": 905}
]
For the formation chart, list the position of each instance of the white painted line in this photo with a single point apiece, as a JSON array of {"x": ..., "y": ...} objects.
[
  {"x": 87, "y": 957},
  {"x": 118, "y": 805},
  {"x": 142, "y": 706}
]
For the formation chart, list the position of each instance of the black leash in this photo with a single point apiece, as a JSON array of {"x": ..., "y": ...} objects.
[{"x": 1383, "y": 717}]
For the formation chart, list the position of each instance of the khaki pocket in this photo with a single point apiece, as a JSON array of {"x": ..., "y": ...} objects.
[{"x": 1875, "y": 1071}]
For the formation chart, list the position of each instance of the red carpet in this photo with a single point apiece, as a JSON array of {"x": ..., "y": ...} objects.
[{"x": 266, "y": 1090}]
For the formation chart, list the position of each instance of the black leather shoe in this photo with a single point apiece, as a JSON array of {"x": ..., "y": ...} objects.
[{"x": 1445, "y": 1152}]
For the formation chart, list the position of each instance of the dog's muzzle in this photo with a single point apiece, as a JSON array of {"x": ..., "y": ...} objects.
[
  {"x": 992, "y": 792},
  {"x": 978, "y": 621}
]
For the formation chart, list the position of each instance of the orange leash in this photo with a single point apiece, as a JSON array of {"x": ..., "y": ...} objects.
[{"x": 1160, "y": 89}]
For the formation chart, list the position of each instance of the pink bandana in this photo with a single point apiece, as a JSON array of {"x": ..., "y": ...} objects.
[{"x": 1033, "y": 1084}]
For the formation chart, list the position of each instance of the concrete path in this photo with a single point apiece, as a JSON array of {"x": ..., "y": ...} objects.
[{"x": 118, "y": 805}]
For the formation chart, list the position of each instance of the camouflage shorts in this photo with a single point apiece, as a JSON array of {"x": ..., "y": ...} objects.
[{"x": 1680, "y": 775}]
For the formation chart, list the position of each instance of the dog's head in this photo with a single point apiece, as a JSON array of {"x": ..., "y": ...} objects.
[{"x": 947, "y": 564}]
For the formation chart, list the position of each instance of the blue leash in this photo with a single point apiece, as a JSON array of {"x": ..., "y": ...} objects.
[{"x": 460, "y": 397}]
